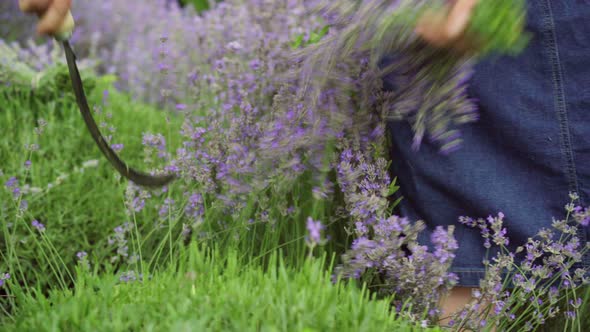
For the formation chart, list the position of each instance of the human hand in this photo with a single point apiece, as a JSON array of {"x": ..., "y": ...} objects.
[
  {"x": 446, "y": 29},
  {"x": 55, "y": 16}
]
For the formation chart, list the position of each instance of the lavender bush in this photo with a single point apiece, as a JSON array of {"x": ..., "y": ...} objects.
[
  {"x": 126, "y": 36},
  {"x": 541, "y": 280},
  {"x": 122, "y": 36},
  {"x": 15, "y": 25}
]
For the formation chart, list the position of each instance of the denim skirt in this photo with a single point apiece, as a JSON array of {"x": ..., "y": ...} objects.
[{"x": 529, "y": 149}]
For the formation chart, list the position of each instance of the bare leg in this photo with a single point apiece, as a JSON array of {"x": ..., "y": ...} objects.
[
  {"x": 454, "y": 302},
  {"x": 457, "y": 298}
]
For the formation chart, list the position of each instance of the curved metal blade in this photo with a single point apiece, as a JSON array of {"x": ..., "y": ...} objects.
[{"x": 135, "y": 176}]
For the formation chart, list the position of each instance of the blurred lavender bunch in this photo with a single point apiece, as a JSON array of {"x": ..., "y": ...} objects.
[{"x": 422, "y": 84}]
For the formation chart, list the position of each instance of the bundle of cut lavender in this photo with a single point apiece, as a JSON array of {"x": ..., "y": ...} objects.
[{"x": 375, "y": 40}]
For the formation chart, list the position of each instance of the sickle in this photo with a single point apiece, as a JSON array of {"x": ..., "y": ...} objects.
[{"x": 137, "y": 177}]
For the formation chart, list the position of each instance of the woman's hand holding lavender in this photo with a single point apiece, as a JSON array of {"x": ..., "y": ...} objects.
[{"x": 447, "y": 29}]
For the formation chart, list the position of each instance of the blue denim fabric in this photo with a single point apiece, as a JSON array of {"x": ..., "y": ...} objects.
[{"x": 530, "y": 148}]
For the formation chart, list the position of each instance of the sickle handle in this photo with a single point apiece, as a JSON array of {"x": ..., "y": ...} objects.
[{"x": 67, "y": 27}]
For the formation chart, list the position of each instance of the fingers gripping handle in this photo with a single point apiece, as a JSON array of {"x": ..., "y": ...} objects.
[{"x": 66, "y": 29}]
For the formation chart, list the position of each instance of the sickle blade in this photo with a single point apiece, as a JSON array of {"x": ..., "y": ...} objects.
[{"x": 135, "y": 176}]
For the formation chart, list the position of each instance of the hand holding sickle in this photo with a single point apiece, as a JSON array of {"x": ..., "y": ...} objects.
[{"x": 56, "y": 20}]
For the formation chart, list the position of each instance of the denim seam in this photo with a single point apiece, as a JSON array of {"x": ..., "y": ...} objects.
[
  {"x": 559, "y": 98},
  {"x": 561, "y": 109}
]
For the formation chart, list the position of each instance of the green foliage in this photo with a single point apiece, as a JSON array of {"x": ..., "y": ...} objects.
[
  {"x": 71, "y": 187},
  {"x": 199, "y": 5},
  {"x": 209, "y": 291},
  {"x": 499, "y": 25},
  {"x": 19, "y": 78},
  {"x": 314, "y": 37}
]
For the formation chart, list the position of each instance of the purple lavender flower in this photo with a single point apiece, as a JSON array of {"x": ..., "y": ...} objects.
[
  {"x": 166, "y": 207},
  {"x": 39, "y": 226},
  {"x": 314, "y": 228},
  {"x": 120, "y": 243},
  {"x": 12, "y": 185},
  {"x": 3, "y": 278},
  {"x": 444, "y": 244},
  {"x": 570, "y": 314},
  {"x": 81, "y": 255},
  {"x": 128, "y": 276},
  {"x": 117, "y": 147}
]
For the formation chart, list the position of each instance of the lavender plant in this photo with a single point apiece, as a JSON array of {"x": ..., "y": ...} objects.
[
  {"x": 15, "y": 26},
  {"x": 386, "y": 251},
  {"x": 541, "y": 280},
  {"x": 121, "y": 35},
  {"x": 126, "y": 36}
]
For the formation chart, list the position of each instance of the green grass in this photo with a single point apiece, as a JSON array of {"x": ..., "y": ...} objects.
[
  {"x": 82, "y": 209},
  {"x": 211, "y": 292}
]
